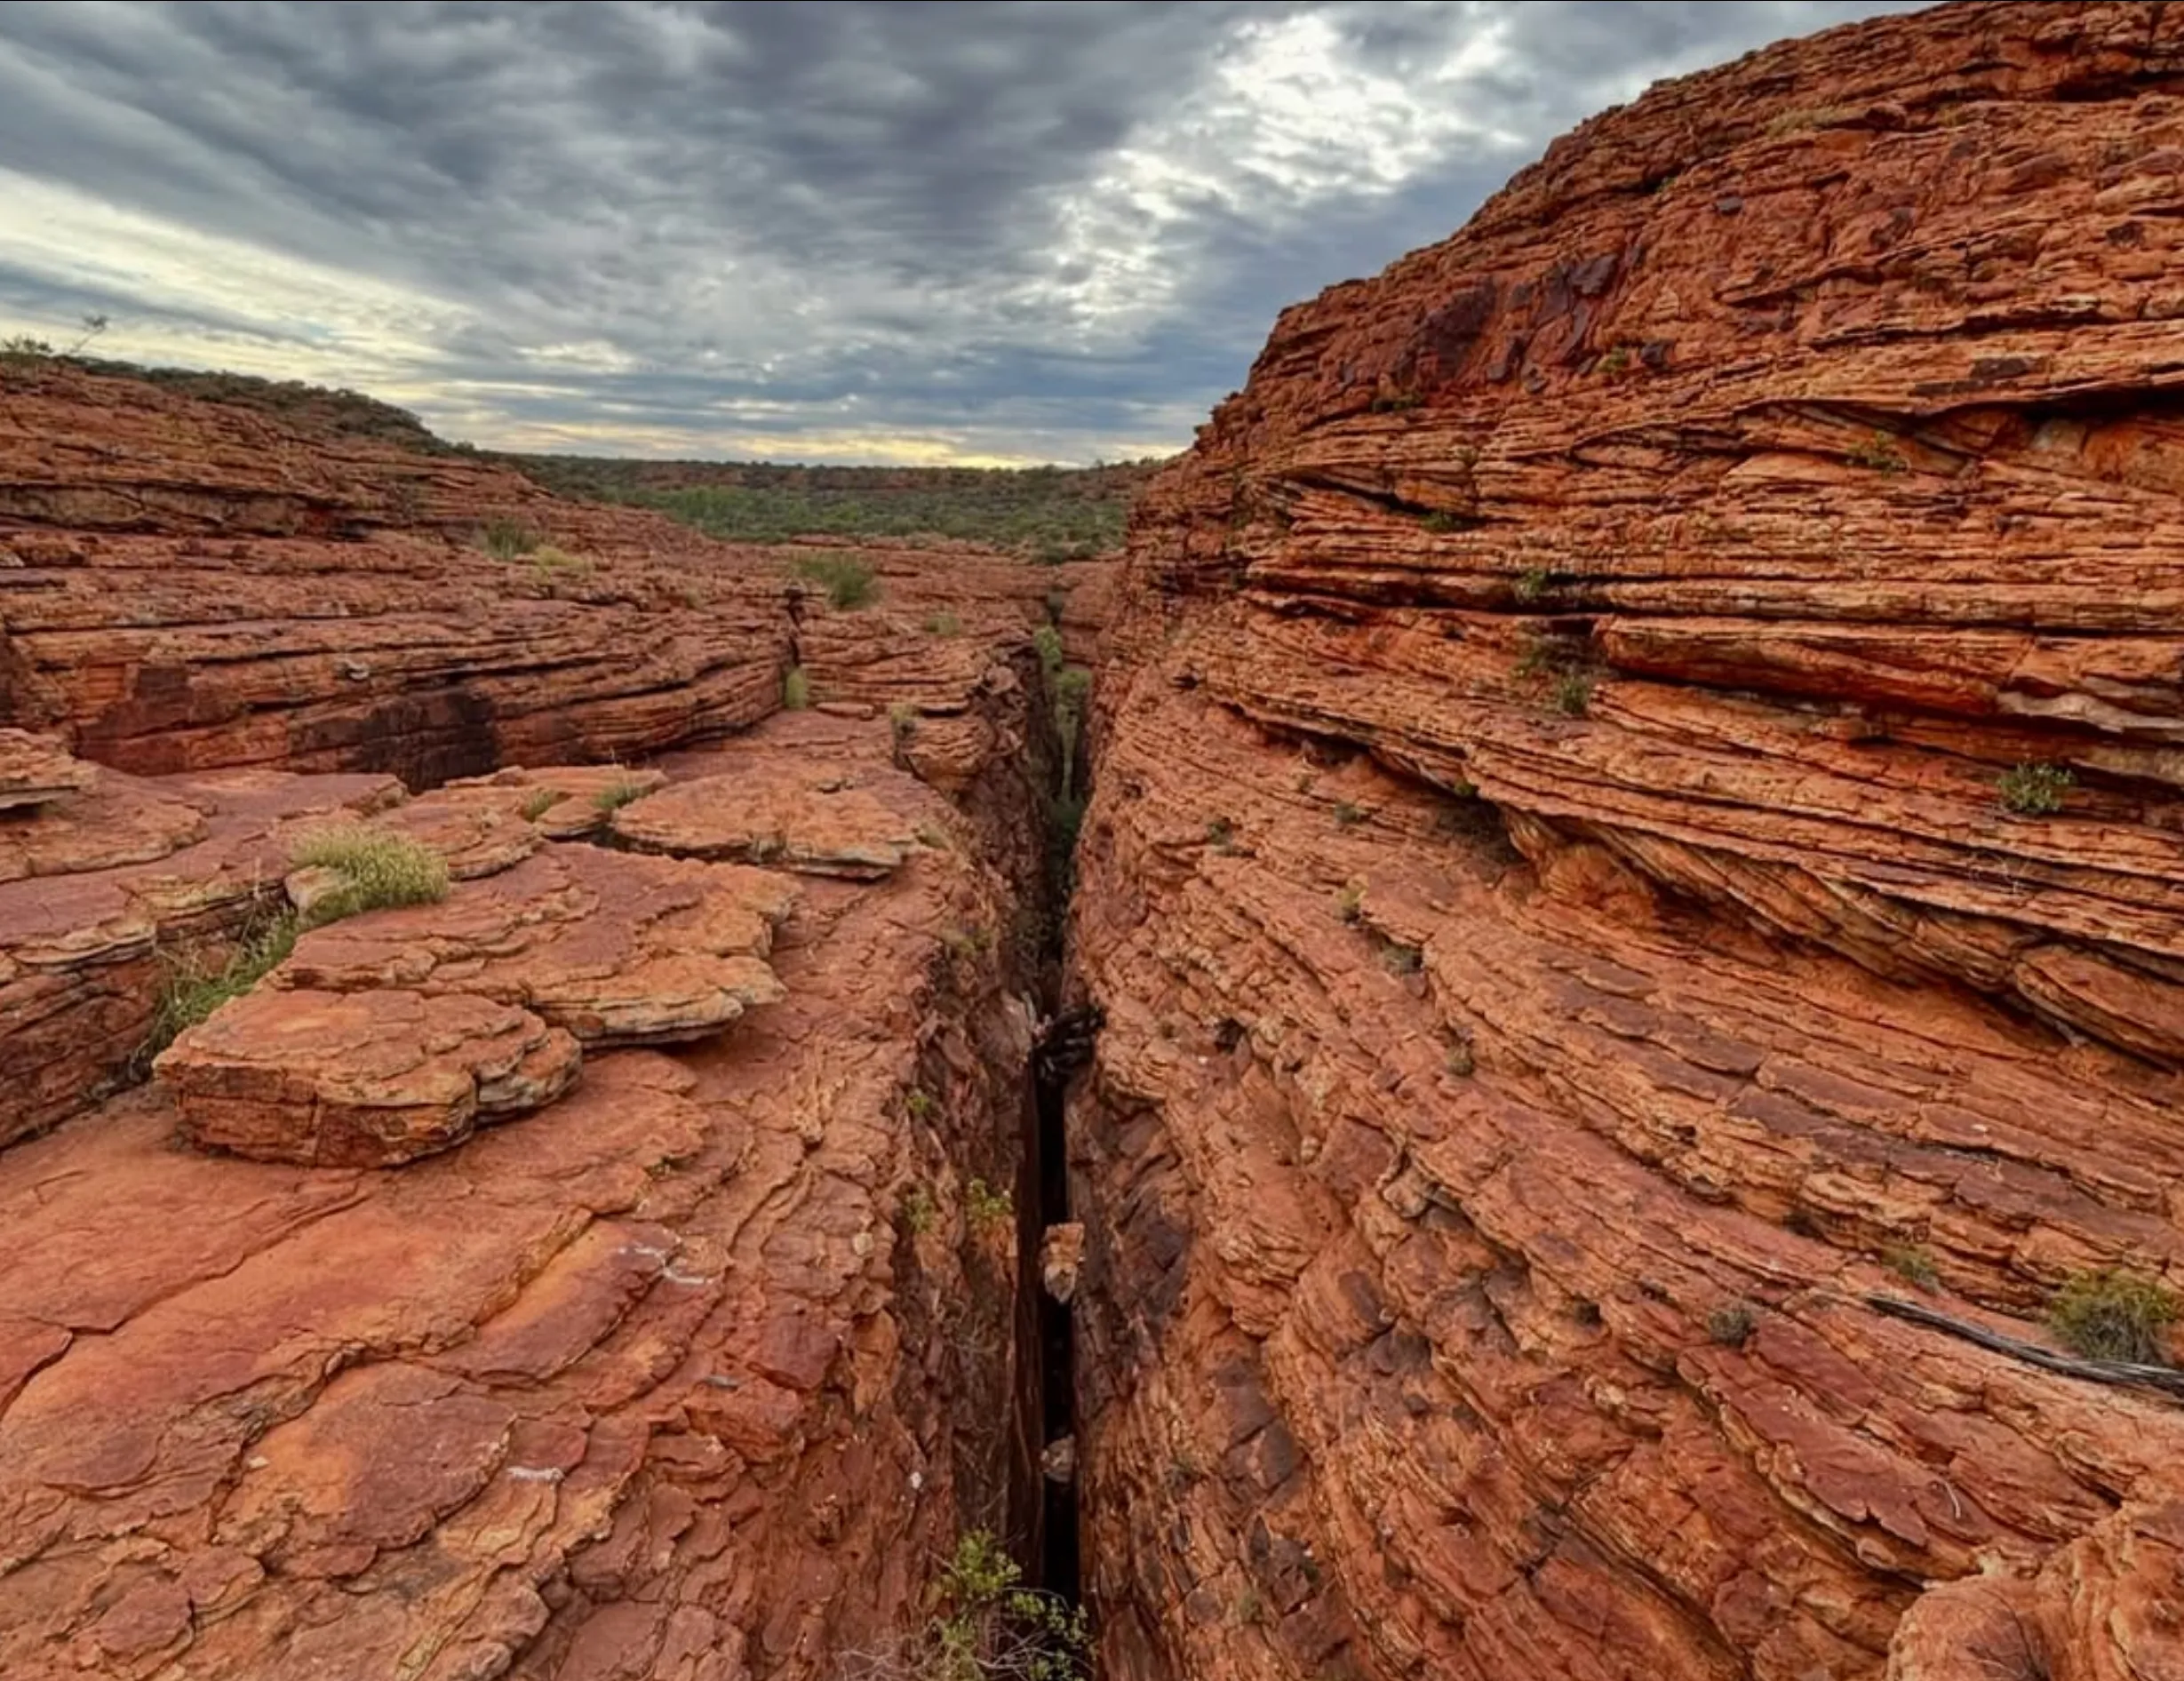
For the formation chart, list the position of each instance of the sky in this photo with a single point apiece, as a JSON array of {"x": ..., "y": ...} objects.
[{"x": 911, "y": 231}]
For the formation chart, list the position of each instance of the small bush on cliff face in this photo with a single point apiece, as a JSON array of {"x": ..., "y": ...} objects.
[
  {"x": 2034, "y": 790},
  {"x": 848, "y": 581},
  {"x": 987, "y": 1205},
  {"x": 1731, "y": 1326},
  {"x": 1573, "y": 693},
  {"x": 2112, "y": 1315},
  {"x": 507, "y": 541},
  {"x": 795, "y": 689},
  {"x": 1532, "y": 584},
  {"x": 984, "y": 1626},
  {"x": 378, "y": 869},
  {"x": 1912, "y": 1264},
  {"x": 1879, "y": 453}
]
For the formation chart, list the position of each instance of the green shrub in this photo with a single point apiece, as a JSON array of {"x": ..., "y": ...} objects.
[
  {"x": 849, "y": 582},
  {"x": 1573, "y": 693},
  {"x": 1348, "y": 814},
  {"x": 918, "y": 1211},
  {"x": 987, "y": 1205},
  {"x": 379, "y": 868},
  {"x": 2034, "y": 790},
  {"x": 1912, "y": 1264},
  {"x": 1349, "y": 904},
  {"x": 1532, "y": 584},
  {"x": 188, "y": 993},
  {"x": 2114, "y": 1315},
  {"x": 795, "y": 689},
  {"x": 615, "y": 795},
  {"x": 507, "y": 541},
  {"x": 1048, "y": 642},
  {"x": 1879, "y": 452},
  {"x": 985, "y": 1626},
  {"x": 546, "y": 558},
  {"x": 1731, "y": 1326},
  {"x": 1220, "y": 834},
  {"x": 1440, "y": 522},
  {"x": 902, "y": 722},
  {"x": 539, "y": 802}
]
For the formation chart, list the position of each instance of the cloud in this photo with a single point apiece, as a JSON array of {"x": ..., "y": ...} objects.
[{"x": 850, "y": 229}]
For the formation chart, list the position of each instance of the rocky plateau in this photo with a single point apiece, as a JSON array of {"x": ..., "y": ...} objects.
[{"x": 1623, "y": 967}]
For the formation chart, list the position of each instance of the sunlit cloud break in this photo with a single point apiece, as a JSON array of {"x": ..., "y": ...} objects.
[{"x": 974, "y": 233}]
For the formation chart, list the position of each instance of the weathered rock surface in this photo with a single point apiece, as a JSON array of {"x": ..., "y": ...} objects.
[
  {"x": 359, "y": 1079},
  {"x": 100, "y": 888},
  {"x": 36, "y": 769},
  {"x": 1563, "y": 943},
  {"x": 665, "y": 1378},
  {"x": 618, "y": 948},
  {"x": 806, "y": 813}
]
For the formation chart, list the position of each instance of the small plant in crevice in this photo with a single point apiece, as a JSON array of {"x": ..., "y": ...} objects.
[
  {"x": 1400, "y": 401},
  {"x": 1878, "y": 453},
  {"x": 921, "y": 1104},
  {"x": 795, "y": 689},
  {"x": 550, "y": 561},
  {"x": 1460, "y": 1061},
  {"x": 2034, "y": 790},
  {"x": 966, "y": 942},
  {"x": 987, "y": 1206},
  {"x": 1046, "y": 643},
  {"x": 190, "y": 993},
  {"x": 377, "y": 870},
  {"x": 1400, "y": 957},
  {"x": 1615, "y": 364},
  {"x": 615, "y": 795},
  {"x": 1441, "y": 523},
  {"x": 1913, "y": 1264},
  {"x": 1350, "y": 904},
  {"x": 1572, "y": 693},
  {"x": 1731, "y": 1325},
  {"x": 901, "y": 723},
  {"x": 1348, "y": 814},
  {"x": 506, "y": 539},
  {"x": 918, "y": 1211},
  {"x": 1531, "y": 585},
  {"x": 1221, "y": 835},
  {"x": 539, "y": 802},
  {"x": 2109, "y": 1314},
  {"x": 848, "y": 582}
]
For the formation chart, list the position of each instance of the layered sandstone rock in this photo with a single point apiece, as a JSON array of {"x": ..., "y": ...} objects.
[
  {"x": 692, "y": 1371},
  {"x": 1574, "y": 930},
  {"x": 105, "y": 891},
  {"x": 359, "y": 1079},
  {"x": 617, "y": 948}
]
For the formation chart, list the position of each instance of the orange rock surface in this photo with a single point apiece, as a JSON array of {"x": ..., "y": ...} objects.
[
  {"x": 695, "y": 1361},
  {"x": 1573, "y": 933}
]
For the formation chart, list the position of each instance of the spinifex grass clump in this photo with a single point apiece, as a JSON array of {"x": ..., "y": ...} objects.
[
  {"x": 377, "y": 869},
  {"x": 848, "y": 581},
  {"x": 2114, "y": 1315}
]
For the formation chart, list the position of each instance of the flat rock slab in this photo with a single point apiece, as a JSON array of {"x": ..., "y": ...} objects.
[
  {"x": 563, "y": 802},
  {"x": 805, "y": 816},
  {"x": 37, "y": 769},
  {"x": 360, "y": 1079},
  {"x": 617, "y": 948}
]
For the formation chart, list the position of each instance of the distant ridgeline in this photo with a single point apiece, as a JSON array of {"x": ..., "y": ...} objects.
[{"x": 1048, "y": 515}]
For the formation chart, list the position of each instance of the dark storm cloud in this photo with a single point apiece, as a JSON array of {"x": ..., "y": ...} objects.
[{"x": 1005, "y": 229}]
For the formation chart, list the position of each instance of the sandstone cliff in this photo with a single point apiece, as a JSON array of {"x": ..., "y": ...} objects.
[
  {"x": 1637, "y": 817},
  {"x": 607, "y": 1267}
]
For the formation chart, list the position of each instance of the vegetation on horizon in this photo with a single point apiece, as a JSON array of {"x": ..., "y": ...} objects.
[{"x": 1047, "y": 515}]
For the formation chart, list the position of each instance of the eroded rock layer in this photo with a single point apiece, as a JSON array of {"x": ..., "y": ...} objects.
[
  {"x": 692, "y": 1368},
  {"x": 1638, "y": 815}
]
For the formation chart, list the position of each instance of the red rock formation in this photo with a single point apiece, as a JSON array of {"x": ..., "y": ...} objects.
[
  {"x": 1571, "y": 937},
  {"x": 692, "y": 1368}
]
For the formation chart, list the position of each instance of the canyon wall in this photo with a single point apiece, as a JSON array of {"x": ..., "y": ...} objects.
[
  {"x": 1636, "y": 880},
  {"x": 608, "y": 1270}
]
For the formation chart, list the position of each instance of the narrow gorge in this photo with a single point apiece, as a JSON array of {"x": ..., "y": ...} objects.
[{"x": 1540, "y": 1038}]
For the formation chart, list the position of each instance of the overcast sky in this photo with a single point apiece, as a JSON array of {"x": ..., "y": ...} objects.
[{"x": 821, "y": 230}]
